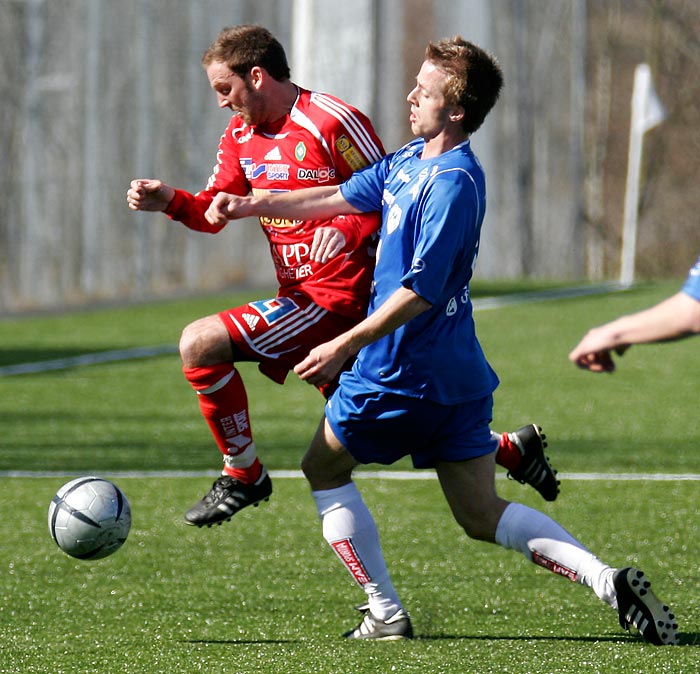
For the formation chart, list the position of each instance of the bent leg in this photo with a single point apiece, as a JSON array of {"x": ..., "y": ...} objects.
[
  {"x": 469, "y": 487},
  {"x": 205, "y": 349}
]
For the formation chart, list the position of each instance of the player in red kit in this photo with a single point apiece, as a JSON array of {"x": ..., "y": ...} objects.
[{"x": 280, "y": 138}]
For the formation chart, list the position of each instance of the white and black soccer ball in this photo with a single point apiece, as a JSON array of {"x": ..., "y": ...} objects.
[{"x": 89, "y": 518}]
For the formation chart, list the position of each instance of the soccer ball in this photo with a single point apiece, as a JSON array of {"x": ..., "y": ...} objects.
[{"x": 89, "y": 518}]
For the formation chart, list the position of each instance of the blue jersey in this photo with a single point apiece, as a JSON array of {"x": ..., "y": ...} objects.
[
  {"x": 692, "y": 283},
  {"x": 432, "y": 212}
]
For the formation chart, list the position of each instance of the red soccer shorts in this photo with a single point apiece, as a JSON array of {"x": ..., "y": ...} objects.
[{"x": 279, "y": 333}]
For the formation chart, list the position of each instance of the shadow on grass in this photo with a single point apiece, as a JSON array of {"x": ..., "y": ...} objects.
[
  {"x": 688, "y": 639},
  {"x": 242, "y": 642}
]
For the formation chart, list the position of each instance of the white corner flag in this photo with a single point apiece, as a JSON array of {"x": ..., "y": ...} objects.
[
  {"x": 647, "y": 112},
  {"x": 647, "y": 109}
]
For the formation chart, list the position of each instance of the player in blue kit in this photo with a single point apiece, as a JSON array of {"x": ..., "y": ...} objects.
[
  {"x": 421, "y": 385},
  {"x": 675, "y": 318}
]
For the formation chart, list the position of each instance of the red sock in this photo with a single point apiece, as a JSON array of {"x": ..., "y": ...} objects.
[
  {"x": 508, "y": 454},
  {"x": 247, "y": 475},
  {"x": 224, "y": 404}
]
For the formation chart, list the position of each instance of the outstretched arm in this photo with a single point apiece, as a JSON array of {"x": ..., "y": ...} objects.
[
  {"x": 313, "y": 203},
  {"x": 326, "y": 360},
  {"x": 674, "y": 318}
]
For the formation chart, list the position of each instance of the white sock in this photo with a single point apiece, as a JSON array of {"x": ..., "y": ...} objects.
[
  {"x": 545, "y": 542},
  {"x": 350, "y": 530},
  {"x": 244, "y": 459}
]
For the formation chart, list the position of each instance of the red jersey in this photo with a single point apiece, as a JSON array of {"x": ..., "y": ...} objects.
[{"x": 321, "y": 141}]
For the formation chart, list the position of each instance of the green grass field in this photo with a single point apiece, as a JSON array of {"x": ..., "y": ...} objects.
[{"x": 263, "y": 593}]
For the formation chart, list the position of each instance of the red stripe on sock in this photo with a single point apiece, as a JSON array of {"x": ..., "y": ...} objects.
[{"x": 508, "y": 455}]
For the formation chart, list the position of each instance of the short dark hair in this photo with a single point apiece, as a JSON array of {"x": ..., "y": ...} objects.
[
  {"x": 243, "y": 47},
  {"x": 474, "y": 78}
]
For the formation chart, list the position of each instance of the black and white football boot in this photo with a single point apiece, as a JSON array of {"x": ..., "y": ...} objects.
[
  {"x": 640, "y": 608},
  {"x": 534, "y": 468},
  {"x": 226, "y": 497}
]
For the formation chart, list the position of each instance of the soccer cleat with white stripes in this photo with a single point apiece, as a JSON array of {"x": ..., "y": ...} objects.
[
  {"x": 394, "y": 628},
  {"x": 226, "y": 497},
  {"x": 534, "y": 468},
  {"x": 639, "y": 607}
]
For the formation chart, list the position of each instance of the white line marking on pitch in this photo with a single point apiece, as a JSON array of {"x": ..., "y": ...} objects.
[
  {"x": 149, "y": 351},
  {"x": 373, "y": 474},
  {"x": 87, "y": 359}
]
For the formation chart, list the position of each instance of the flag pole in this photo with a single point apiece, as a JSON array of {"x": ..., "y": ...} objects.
[{"x": 647, "y": 112}]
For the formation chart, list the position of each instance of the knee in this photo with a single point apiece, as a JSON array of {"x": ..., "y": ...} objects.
[
  {"x": 192, "y": 345},
  {"x": 478, "y": 533},
  {"x": 480, "y": 526},
  {"x": 320, "y": 481},
  {"x": 205, "y": 342},
  {"x": 325, "y": 475},
  {"x": 307, "y": 468},
  {"x": 314, "y": 474}
]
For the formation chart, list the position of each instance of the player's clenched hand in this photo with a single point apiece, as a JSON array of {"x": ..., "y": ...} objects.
[
  {"x": 598, "y": 361},
  {"x": 323, "y": 362},
  {"x": 225, "y": 207},
  {"x": 594, "y": 352},
  {"x": 328, "y": 242},
  {"x": 149, "y": 195}
]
